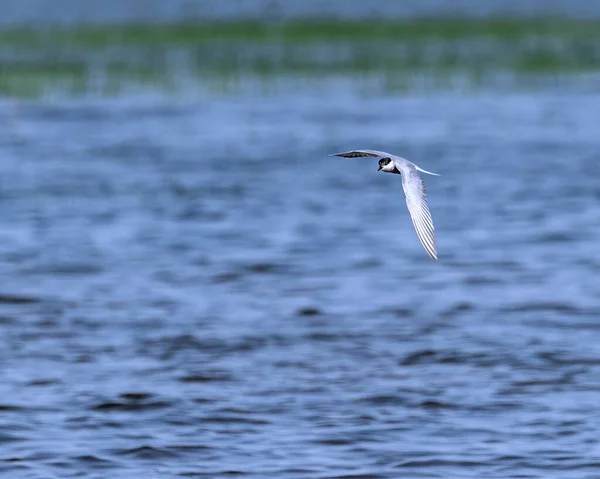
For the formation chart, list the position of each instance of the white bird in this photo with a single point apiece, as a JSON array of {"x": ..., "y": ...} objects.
[{"x": 414, "y": 190}]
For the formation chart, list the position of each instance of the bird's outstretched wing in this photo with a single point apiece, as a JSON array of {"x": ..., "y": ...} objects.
[
  {"x": 416, "y": 200},
  {"x": 362, "y": 153}
]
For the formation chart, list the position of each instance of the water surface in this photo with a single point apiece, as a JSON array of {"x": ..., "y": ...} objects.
[{"x": 194, "y": 289}]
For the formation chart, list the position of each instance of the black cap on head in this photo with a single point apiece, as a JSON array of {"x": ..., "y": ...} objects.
[{"x": 383, "y": 162}]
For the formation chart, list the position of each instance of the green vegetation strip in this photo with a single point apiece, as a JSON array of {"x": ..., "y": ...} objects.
[
  {"x": 80, "y": 59},
  {"x": 303, "y": 31}
]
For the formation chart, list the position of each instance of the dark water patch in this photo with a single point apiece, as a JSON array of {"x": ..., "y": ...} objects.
[
  {"x": 588, "y": 324},
  {"x": 495, "y": 407},
  {"x": 91, "y": 422},
  {"x": 212, "y": 346},
  {"x": 510, "y": 458},
  {"x": 10, "y": 408},
  {"x": 85, "y": 358},
  {"x": 481, "y": 359},
  {"x": 220, "y": 473},
  {"x": 558, "y": 237},
  {"x": 562, "y": 380},
  {"x": 419, "y": 357},
  {"x": 252, "y": 343},
  {"x": 481, "y": 280},
  {"x": 132, "y": 396},
  {"x": 173, "y": 346},
  {"x": 226, "y": 277},
  {"x": 249, "y": 271},
  {"x": 17, "y": 299},
  {"x": 295, "y": 365},
  {"x": 567, "y": 358},
  {"x": 40, "y": 456},
  {"x": 557, "y": 465},
  {"x": 371, "y": 263},
  {"x": 234, "y": 419},
  {"x": 131, "y": 402},
  {"x": 458, "y": 309},
  {"x": 433, "y": 327},
  {"x": 400, "y": 312},
  {"x": 506, "y": 266},
  {"x": 384, "y": 400},
  {"x": 309, "y": 311},
  {"x": 146, "y": 453},
  {"x": 337, "y": 441},
  {"x": 328, "y": 337},
  {"x": 265, "y": 268},
  {"x": 189, "y": 448},
  {"x": 206, "y": 377},
  {"x": 52, "y": 323},
  {"x": 204, "y": 400},
  {"x": 9, "y": 438},
  {"x": 92, "y": 461},
  {"x": 130, "y": 407},
  {"x": 432, "y": 404},
  {"x": 447, "y": 464},
  {"x": 315, "y": 389},
  {"x": 66, "y": 269},
  {"x": 59, "y": 464},
  {"x": 544, "y": 307},
  {"x": 13, "y": 468},
  {"x": 355, "y": 476}
]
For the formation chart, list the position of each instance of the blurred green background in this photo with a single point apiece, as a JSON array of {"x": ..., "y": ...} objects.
[{"x": 68, "y": 48}]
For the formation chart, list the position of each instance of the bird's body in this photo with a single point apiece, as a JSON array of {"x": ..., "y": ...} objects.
[{"x": 414, "y": 190}]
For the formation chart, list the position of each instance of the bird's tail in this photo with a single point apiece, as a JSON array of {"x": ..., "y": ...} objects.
[{"x": 425, "y": 171}]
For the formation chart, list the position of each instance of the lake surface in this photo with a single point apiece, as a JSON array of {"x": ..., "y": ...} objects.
[{"x": 192, "y": 287}]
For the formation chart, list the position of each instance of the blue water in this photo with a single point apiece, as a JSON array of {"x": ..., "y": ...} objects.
[{"x": 193, "y": 288}]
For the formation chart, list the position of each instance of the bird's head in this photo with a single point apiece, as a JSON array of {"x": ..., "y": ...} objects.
[{"x": 387, "y": 165}]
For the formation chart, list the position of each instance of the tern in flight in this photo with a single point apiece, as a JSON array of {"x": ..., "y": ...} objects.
[{"x": 414, "y": 190}]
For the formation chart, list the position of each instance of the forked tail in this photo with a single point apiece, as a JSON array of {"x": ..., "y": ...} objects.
[{"x": 425, "y": 171}]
